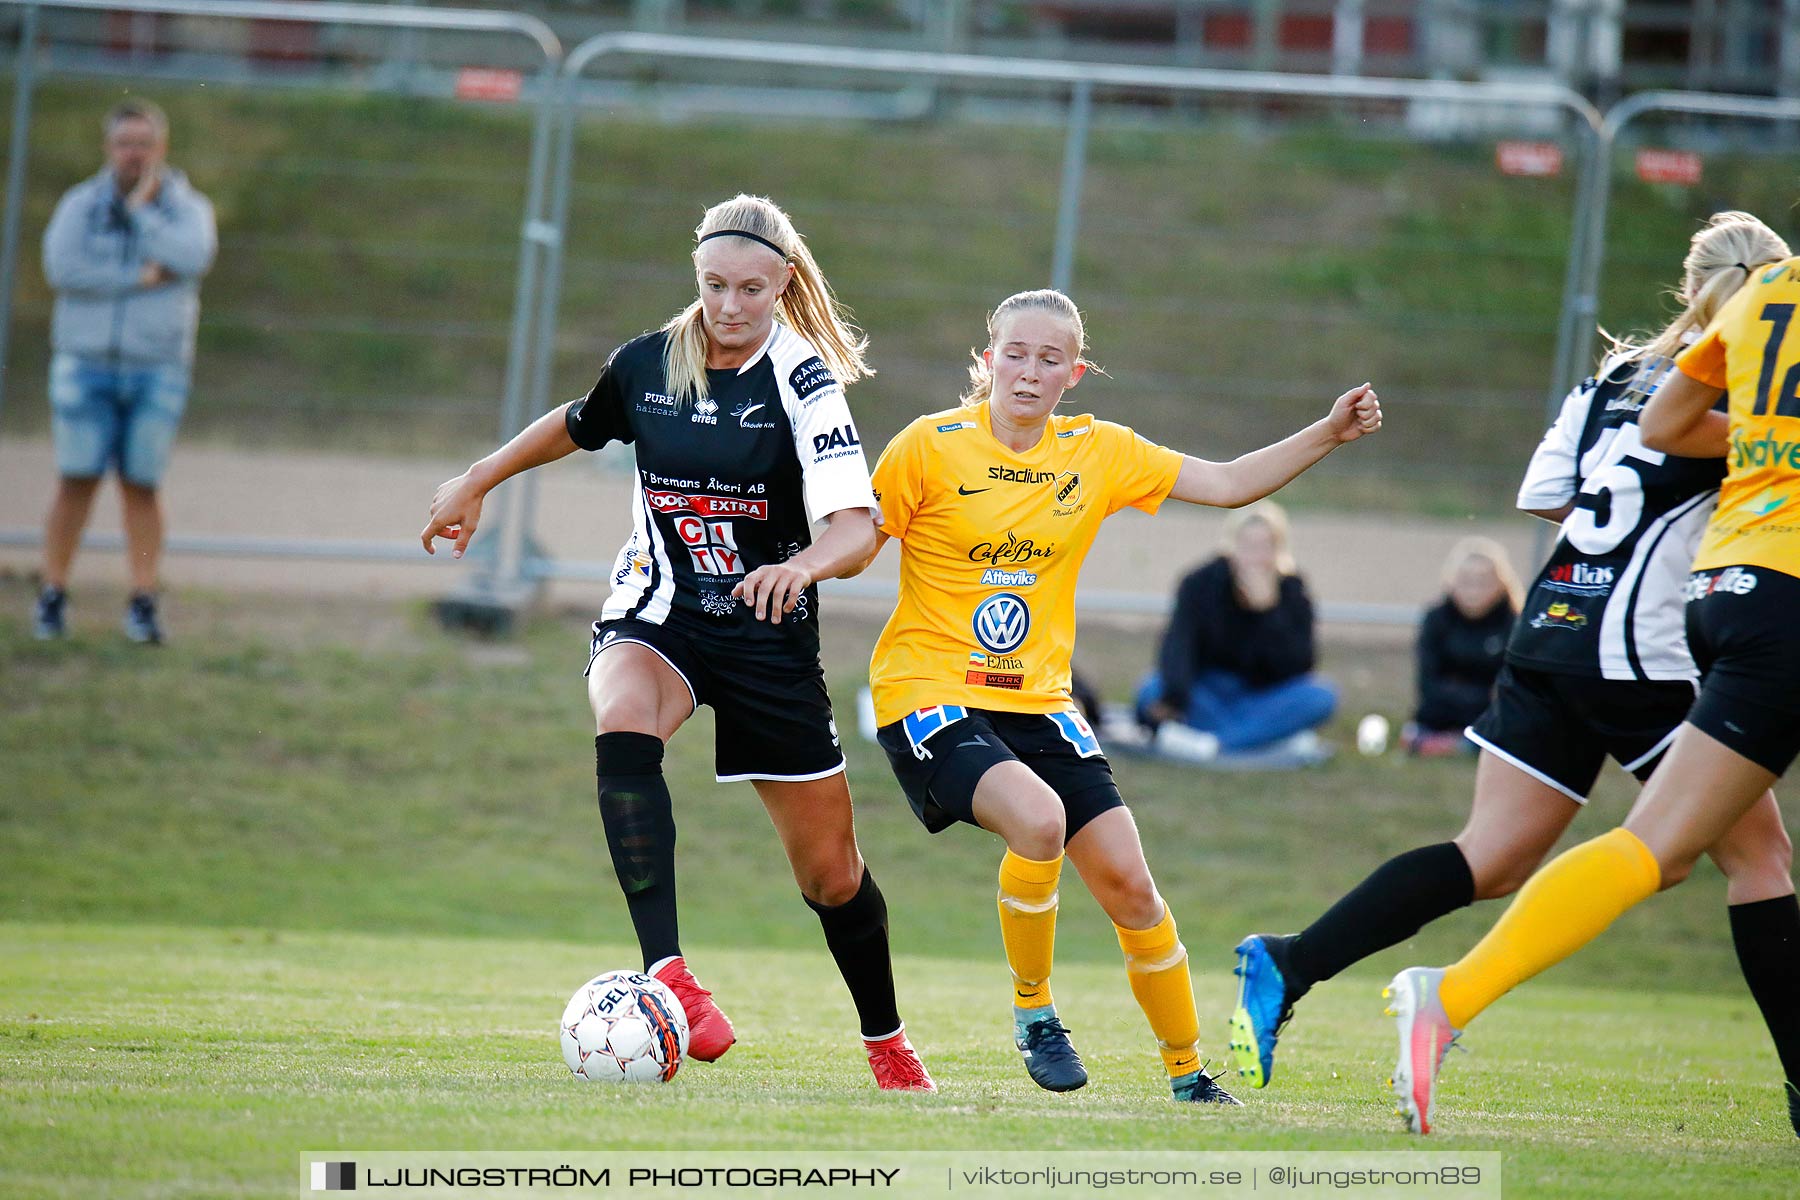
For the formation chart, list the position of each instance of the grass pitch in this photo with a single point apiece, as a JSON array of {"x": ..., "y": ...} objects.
[
  {"x": 318, "y": 876},
  {"x": 147, "y": 1060}
]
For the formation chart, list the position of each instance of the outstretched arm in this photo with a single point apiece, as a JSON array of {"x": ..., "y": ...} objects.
[
  {"x": 456, "y": 508},
  {"x": 1261, "y": 472}
]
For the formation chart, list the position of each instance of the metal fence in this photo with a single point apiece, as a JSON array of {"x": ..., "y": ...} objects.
[
  {"x": 1259, "y": 393},
  {"x": 272, "y": 173},
  {"x": 1608, "y": 46},
  {"x": 1764, "y": 184},
  {"x": 1284, "y": 298},
  {"x": 306, "y": 267}
]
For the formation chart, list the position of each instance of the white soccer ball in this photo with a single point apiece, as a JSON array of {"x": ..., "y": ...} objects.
[
  {"x": 1372, "y": 734},
  {"x": 624, "y": 1027}
]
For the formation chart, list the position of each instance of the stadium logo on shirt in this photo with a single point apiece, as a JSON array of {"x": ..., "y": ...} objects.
[
  {"x": 705, "y": 410},
  {"x": 1019, "y": 475},
  {"x": 1001, "y": 623}
]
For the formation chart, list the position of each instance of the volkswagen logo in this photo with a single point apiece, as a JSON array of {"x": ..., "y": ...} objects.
[{"x": 1001, "y": 623}]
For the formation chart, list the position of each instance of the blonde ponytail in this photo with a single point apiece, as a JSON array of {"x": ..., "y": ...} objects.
[
  {"x": 807, "y": 306},
  {"x": 1721, "y": 257},
  {"x": 981, "y": 375}
]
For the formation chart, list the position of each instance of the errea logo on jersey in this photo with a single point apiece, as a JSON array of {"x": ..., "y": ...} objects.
[{"x": 705, "y": 411}]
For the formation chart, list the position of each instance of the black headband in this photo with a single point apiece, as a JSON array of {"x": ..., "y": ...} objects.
[{"x": 744, "y": 233}]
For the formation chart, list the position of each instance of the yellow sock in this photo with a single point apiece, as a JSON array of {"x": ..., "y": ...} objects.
[
  {"x": 1028, "y": 925},
  {"x": 1566, "y": 905},
  {"x": 1156, "y": 963}
]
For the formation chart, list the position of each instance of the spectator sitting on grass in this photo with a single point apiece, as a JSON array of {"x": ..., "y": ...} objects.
[
  {"x": 1462, "y": 642},
  {"x": 1236, "y": 662}
]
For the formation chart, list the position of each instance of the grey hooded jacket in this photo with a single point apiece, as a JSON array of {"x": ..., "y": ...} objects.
[{"x": 94, "y": 254}]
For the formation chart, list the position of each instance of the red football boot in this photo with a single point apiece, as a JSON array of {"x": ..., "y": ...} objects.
[
  {"x": 896, "y": 1065},
  {"x": 709, "y": 1031}
]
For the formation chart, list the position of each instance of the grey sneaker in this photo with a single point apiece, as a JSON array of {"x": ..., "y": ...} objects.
[
  {"x": 48, "y": 623},
  {"x": 140, "y": 620}
]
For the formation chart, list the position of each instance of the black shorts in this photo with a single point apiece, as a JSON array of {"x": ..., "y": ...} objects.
[
  {"x": 1745, "y": 635},
  {"x": 940, "y": 754},
  {"x": 1560, "y": 728},
  {"x": 771, "y": 713}
]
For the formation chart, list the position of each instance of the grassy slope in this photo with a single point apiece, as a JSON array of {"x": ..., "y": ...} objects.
[
  {"x": 1235, "y": 280},
  {"x": 287, "y": 771}
]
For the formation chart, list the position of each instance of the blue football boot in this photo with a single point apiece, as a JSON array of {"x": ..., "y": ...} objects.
[
  {"x": 1051, "y": 1060},
  {"x": 1263, "y": 1008}
]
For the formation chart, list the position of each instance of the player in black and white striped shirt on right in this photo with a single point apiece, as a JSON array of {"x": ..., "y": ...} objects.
[{"x": 1598, "y": 664}]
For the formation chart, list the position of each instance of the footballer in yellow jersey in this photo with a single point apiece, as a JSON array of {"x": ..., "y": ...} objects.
[
  {"x": 1744, "y": 728},
  {"x": 1745, "y": 590},
  {"x": 1752, "y": 352},
  {"x": 993, "y": 542},
  {"x": 995, "y": 504}
]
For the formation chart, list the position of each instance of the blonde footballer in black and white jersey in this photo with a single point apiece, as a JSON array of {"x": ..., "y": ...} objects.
[
  {"x": 725, "y": 484},
  {"x": 1598, "y": 664},
  {"x": 744, "y": 443}
]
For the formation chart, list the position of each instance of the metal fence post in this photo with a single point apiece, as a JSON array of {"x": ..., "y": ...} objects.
[
  {"x": 503, "y": 585},
  {"x": 502, "y": 576},
  {"x": 1074, "y": 171},
  {"x": 543, "y": 364},
  {"x": 24, "y": 80}
]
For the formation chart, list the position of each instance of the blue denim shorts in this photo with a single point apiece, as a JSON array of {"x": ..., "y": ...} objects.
[{"x": 119, "y": 416}]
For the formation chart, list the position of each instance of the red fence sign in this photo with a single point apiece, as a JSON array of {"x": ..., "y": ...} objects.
[
  {"x": 1668, "y": 166},
  {"x": 488, "y": 83},
  {"x": 1537, "y": 159}
]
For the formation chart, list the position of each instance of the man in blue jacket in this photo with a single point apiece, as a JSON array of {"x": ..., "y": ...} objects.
[{"x": 124, "y": 253}]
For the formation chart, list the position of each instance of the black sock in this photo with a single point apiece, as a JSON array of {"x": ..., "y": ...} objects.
[
  {"x": 1767, "y": 936},
  {"x": 1399, "y": 898},
  {"x": 857, "y": 933},
  {"x": 640, "y": 832}
]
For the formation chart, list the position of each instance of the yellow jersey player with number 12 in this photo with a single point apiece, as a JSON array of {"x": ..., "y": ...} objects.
[
  {"x": 1743, "y": 731},
  {"x": 995, "y": 505}
]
